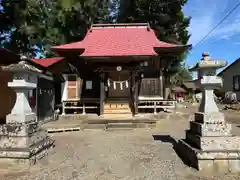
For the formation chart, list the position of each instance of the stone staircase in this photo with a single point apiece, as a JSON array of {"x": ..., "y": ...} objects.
[
  {"x": 95, "y": 122},
  {"x": 117, "y": 117},
  {"x": 118, "y": 124},
  {"x": 115, "y": 111}
]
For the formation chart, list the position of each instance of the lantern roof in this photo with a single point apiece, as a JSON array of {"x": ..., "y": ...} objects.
[{"x": 207, "y": 62}]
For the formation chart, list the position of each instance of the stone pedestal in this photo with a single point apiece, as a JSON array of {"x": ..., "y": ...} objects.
[
  {"x": 21, "y": 139},
  {"x": 209, "y": 144}
]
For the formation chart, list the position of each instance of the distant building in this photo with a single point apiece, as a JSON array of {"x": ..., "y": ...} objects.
[{"x": 231, "y": 78}]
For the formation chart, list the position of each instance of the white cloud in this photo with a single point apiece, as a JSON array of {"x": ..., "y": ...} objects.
[
  {"x": 206, "y": 14},
  {"x": 227, "y": 31},
  {"x": 198, "y": 28}
]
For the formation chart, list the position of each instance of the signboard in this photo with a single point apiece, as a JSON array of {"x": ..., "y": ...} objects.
[{"x": 88, "y": 84}]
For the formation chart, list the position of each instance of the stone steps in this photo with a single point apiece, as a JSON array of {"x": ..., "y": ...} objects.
[
  {"x": 107, "y": 121},
  {"x": 116, "y": 106},
  {"x": 118, "y": 126},
  {"x": 116, "y": 109},
  {"x": 117, "y": 117},
  {"x": 109, "y": 125}
]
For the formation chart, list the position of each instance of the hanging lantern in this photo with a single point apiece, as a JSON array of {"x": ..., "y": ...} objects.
[
  {"x": 121, "y": 85},
  {"x": 114, "y": 85},
  {"x": 126, "y": 83}
]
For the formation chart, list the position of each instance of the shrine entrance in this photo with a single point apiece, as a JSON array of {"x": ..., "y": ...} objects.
[
  {"x": 119, "y": 87},
  {"x": 118, "y": 95}
]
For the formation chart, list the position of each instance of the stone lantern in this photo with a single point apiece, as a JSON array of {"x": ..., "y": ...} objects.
[
  {"x": 21, "y": 138},
  {"x": 208, "y": 81},
  {"x": 209, "y": 144}
]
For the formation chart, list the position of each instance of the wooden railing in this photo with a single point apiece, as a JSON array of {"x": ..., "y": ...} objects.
[
  {"x": 77, "y": 104},
  {"x": 155, "y": 103}
]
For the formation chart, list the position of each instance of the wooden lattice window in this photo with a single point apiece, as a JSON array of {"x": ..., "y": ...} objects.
[{"x": 150, "y": 87}]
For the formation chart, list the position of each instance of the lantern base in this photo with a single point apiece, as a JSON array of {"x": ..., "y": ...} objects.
[{"x": 22, "y": 140}]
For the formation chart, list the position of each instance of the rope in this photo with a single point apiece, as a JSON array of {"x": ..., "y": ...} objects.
[
  {"x": 120, "y": 81},
  {"x": 213, "y": 29},
  {"x": 123, "y": 80}
]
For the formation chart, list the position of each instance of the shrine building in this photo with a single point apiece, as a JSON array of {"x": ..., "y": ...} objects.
[{"x": 115, "y": 69}]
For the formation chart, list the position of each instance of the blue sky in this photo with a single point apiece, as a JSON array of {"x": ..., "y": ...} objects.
[{"x": 224, "y": 42}]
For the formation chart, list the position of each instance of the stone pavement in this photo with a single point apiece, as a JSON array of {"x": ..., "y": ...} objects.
[{"x": 126, "y": 155}]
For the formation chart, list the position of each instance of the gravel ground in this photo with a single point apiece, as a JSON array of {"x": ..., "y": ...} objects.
[{"x": 125, "y": 155}]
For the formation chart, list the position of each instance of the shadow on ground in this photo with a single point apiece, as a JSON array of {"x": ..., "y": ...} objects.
[{"x": 175, "y": 146}]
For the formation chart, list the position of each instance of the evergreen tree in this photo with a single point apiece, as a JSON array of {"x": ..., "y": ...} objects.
[
  {"x": 166, "y": 18},
  {"x": 31, "y": 26}
]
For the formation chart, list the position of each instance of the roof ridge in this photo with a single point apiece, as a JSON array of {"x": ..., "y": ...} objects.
[
  {"x": 48, "y": 58},
  {"x": 120, "y": 25},
  {"x": 229, "y": 66}
]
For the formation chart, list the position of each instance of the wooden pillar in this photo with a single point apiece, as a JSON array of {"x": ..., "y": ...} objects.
[
  {"x": 102, "y": 93},
  {"x": 161, "y": 76},
  {"x": 131, "y": 93},
  {"x": 64, "y": 92},
  {"x": 53, "y": 96},
  {"x": 166, "y": 87},
  {"x": 36, "y": 103},
  {"x": 161, "y": 82},
  {"x": 194, "y": 100},
  {"x": 155, "y": 107},
  {"x": 83, "y": 110},
  {"x": 136, "y": 84},
  {"x": 77, "y": 87}
]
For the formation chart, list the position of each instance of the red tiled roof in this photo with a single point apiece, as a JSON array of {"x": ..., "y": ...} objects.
[
  {"x": 117, "y": 40},
  {"x": 46, "y": 62}
]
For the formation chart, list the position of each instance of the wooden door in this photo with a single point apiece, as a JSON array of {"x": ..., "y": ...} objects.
[
  {"x": 118, "y": 92},
  {"x": 74, "y": 87}
]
